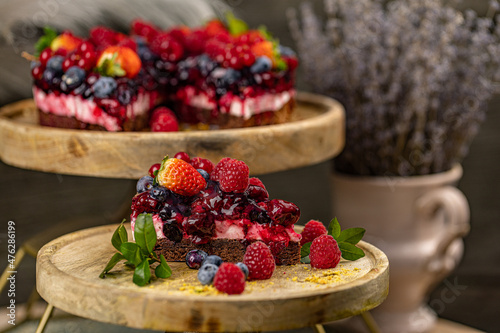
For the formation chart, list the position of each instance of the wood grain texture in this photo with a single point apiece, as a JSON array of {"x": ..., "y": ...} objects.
[
  {"x": 67, "y": 277},
  {"x": 315, "y": 134}
]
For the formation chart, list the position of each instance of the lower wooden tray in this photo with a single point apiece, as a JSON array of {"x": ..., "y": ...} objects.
[
  {"x": 296, "y": 296},
  {"x": 315, "y": 134}
]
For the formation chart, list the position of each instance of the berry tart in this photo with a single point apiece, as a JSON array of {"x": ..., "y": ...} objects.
[
  {"x": 217, "y": 209},
  {"x": 215, "y": 76}
]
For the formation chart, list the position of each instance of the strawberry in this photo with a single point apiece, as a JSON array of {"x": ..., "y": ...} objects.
[
  {"x": 260, "y": 261},
  {"x": 233, "y": 176},
  {"x": 263, "y": 48},
  {"x": 312, "y": 230},
  {"x": 65, "y": 41},
  {"x": 180, "y": 177},
  {"x": 119, "y": 61},
  {"x": 324, "y": 252},
  {"x": 229, "y": 279}
]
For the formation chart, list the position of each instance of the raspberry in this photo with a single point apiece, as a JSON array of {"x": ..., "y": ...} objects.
[
  {"x": 256, "y": 190},
  {"x": 168, "y": 48},
  {"x": 324, "y": 252},
  {"x": 233, "y": 176},
  {"x": 260, "y": 261},
  {"x": 144, "y": 29},
  {"x": 163, "y": 120},
  {"x": 218, "y": 168},
  {"x": 229, "y": 279},
  {"x": 202, "y": 163},
  {"x": 102, "y": 37},
  {"x": 257, "y": 182},
  {"x": 312, "y": 230}
]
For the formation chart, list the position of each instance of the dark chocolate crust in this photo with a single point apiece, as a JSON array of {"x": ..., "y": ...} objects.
[{"x": 230, "y": 250}]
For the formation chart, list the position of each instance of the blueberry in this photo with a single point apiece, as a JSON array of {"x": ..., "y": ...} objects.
[
  {"x": 232, "y": 76},
  {"x": 204, "y": 174},
  {"x": 48, "y": 75},
  {"x": 74, "y": 77},
  {"x": 144, "y": 184},
  {"x": 55, "y": 63},
  {"x": 146, "y": 54},
  {"x": 104, "y": 87},
  {"x": 172, "y": 231},
  {"x": 244, "y": 268},
  {"x": 205, "y": 64},
  {"x": 159, "y": 193},
  {"x": 286, "y": 51},
  {"x": 194, "y": 258},
  {"x": 261, "y": 64},
  {"x": 212, "y": 259},
  {"x": 223, "y": 77},
  {"x": 206, "y": 274}
]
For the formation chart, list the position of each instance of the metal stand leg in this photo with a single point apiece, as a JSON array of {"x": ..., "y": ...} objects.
[
  {"x": 45, "y": 318},
  {"x": 19, "y": 256},
  {"x": 318, "y": 328},
  {"x": 31, "y": 300},
  {"x": 370, "y": 322}
]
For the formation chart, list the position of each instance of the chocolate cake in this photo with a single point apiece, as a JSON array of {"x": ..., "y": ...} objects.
[
  {"x": 218, "y": 209},
  {"x": 213, "y": 76}
]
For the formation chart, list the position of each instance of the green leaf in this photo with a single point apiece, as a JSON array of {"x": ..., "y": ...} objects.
[
  {"x": 305, "y": 260},
  {"x": 334, "y": 228},
  {"x": 132, "y": 253},
  {"x": 142, "y": 274},
  {"x": 350, "y": 251},
  {"x": 163, "y": 270},
  {"x": 235, "y": 25},
  {"x": 43, "y": 42},
  {"x": 351, "y": 235},
  {"x": 305, "y": 249},
  {"x": 119, "y": 236},
  {"x": 116, "y": 258},
  {"x": 145, "y": 233}
]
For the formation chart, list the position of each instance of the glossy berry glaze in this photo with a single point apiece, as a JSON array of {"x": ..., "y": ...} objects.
[{"x": 215, "y": 214}]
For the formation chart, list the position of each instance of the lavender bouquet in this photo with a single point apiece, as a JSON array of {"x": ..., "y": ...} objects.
[{"x": 414, "y": 76}]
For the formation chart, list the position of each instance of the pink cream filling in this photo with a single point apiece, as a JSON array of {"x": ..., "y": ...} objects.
[{"x": 86, "y": 110}]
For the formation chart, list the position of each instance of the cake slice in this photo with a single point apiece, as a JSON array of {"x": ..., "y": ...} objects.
[{"x": 217, "y": 209}]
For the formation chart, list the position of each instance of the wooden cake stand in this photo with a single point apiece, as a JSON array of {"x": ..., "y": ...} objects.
[
  {"x": 315, "y": 134},
  {"x": 296, "y": 296}
]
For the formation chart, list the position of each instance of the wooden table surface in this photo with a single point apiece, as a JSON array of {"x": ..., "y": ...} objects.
[
  {"x": 69, "y": 266},
  {"x": 315, "y": 134}
]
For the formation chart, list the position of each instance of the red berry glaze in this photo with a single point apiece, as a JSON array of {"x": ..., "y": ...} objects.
[
  {"x": 324, "y": 252},
  {"x": 312, "y": 230},
  {"x": 260, "y": 261},
  {"x": 283, "y": 212},
  {"x": 229, "y": 279}
]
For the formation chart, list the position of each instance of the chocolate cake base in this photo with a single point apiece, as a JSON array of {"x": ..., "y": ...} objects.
[{"x": 230, "y": 250}]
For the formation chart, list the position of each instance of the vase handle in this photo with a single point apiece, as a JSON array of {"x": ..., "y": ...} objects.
[{"x": 456, "y": 223}]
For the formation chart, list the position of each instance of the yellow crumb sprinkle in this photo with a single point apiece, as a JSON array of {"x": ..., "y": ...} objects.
[
  {"x": 199, "y": 289},
  {"x": 295, "y": 279}
]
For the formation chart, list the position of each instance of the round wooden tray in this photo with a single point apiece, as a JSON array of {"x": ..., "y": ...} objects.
[
  {"x": 67, "y": 277},
  {"x": 315, "y": 134}
]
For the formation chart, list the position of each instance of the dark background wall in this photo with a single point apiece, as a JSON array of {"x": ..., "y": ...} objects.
[{"x": 37, "y": 201}]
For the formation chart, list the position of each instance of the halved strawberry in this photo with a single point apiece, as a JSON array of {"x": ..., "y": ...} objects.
[
  {"x": 119, "y": 61},
  {"x": 180, "y": 177}
]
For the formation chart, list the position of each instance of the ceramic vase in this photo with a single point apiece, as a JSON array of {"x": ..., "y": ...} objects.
[{"x": 419, "y": 223}]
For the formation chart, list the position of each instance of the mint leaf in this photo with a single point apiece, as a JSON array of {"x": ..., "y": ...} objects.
[
  {"x": 43, "y": 42},
  {"x": 142, "y": 274},
  {"x": 351, "y": 235},
  {"x": 163, "y": 270},
  {"x": 235, "y": 25},
  {"x": 305, "y": 260},
  {"x": 116, "y": 258},
  {"x": 145, "y": 233},
  {"x": 119, "y": 236},
  {"x": 350, "y": 251},
  {"x": 334, "y": 228},
  {"x": 305, "y": 249},
  {"x": 132, "y": 253}
]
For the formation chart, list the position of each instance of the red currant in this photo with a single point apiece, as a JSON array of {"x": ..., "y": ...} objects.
[
  {"x": 153, "y": 169},
  {"x": 183, "y": 156},
  {"x": 37, "y": 72},
  {"x": 67, "y": 63},
  {"x": 45, "y": 56}
]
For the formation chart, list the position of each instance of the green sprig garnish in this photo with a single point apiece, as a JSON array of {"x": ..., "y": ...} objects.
[
  {"x": 110, "y": 67},
  {"x": 43, "y": 42},
  {"x": 139, "y": 255},
  {"x": 235, "y": 25},
  {"x": 346, "y": 240}
]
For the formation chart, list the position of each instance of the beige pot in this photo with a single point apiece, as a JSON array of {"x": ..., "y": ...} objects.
[{"x": 419, "y": 223}]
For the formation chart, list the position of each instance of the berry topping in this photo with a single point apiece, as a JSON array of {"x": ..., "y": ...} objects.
[
  {"x": 283, "y": 212},
  {"x": 202, "y": 163},
  {"x": 218, "y": 168},
  {"x": 212, "y": 259},
  {"x": 229, "y": 279},
  {"x": 233, "y": 176},
  {"x": 45, "y": 56},
  {"x": 104, "y": 87},
  {"x": 144, "y": 184},
  {"x": 207, "y": 273},
  {"x": 256, "y": 190},
  {"x": 73, "y": 77},
  {"x": 119, "y": 61},
  {"x": 172, "y": 231},
  {"x": 180, "y": 177},
  {"x": 183, "y": 156},
  {"x": 260, "y": 261},
  {"x": 312, "y": 230},
  {"x": 143, "y": 203},
  {"x": 163, "y": 120},
  {"x": 167, "y": 47},
  {"x": 55, "y": 63},
  {"x": 244, "y": 268},
  {"x": 194, "y": 258},
  {"x": 159, "y": 193},
  {"x": 65, "y": 41},
  {"x": 153, "y": 169},
  {"x": 102, "y": 37},
  {"x": 324, "y": 252},
  {"x": 144, "y": 29},
  {"x": 204, "y": 174},
  {"x": 262, "y": 64}
]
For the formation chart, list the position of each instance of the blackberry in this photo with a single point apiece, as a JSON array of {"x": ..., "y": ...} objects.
[{"x": 172, "y": 232}]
